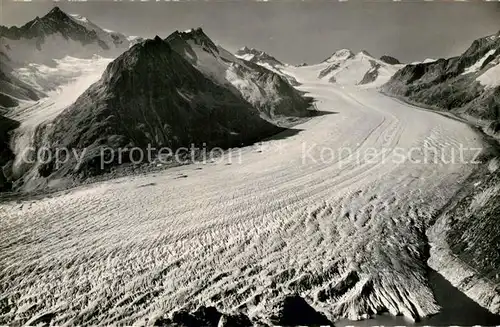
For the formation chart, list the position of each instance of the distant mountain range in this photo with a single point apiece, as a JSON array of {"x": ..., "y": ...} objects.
[{"x": 6, "y": 155}]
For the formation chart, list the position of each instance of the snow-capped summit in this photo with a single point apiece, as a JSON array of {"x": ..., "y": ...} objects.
[
  {"x": 194, "y": 35},
  {"x": 257, "y": 56},
  {"x": 58, "y": 34},
  {"x": 346, "y": 68},
  {"x": 342, "y": 54}
]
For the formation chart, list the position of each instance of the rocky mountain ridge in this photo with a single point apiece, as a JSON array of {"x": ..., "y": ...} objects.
[{"x": 467, "y": 85}]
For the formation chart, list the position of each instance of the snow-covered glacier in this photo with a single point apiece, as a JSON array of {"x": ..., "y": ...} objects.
[{"x": 291, "y": 216}]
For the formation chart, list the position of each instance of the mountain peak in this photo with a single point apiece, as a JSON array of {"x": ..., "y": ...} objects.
[
  {"x": 56, "y": 12},
  {"x": 56, "y": 9},
  {"x": 198, "y": 31},
  {"x": 366, "y": 53},
  {"x": 156, "y": 42},
  {"x": 194, "y": 35},
  {"x": 342, "y": 54}
]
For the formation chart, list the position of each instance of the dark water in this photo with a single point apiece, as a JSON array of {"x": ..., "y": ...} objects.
[{"x": 457, "y": 309}]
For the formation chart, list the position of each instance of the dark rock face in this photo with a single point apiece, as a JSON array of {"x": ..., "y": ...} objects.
[
  {"x": 474, "y": 228},
  {"x": 295, "y": 311},
  {"x": 447, "y": 84},
  {"x": 390, "y": 60},
  {"x": 150, "y": 95},
  {"x": 179, "y": 42},
  {"x": 6, "y": 126},
  {"x": 328, "y": 70}
]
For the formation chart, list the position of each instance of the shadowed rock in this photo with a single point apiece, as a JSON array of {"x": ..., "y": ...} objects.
[
  {"x": 390, "y": 60},
  {"x": 295, "y": 311}
]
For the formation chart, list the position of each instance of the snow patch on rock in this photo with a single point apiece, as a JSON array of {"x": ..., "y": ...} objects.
[
  {"x": 478, "y": 64},
  {"x": 491, "y": 77}
]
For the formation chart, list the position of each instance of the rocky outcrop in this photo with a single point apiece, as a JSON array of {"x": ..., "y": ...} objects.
[
  {"x": 295, "y": 311},
  {"x": 6, "y": 155},
  {"x": 390, "y": 60}
]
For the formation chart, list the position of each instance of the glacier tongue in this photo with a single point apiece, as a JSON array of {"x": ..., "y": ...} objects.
[{"x": 63, "y": 84}]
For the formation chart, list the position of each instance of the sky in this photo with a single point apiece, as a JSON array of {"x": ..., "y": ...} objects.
[{"x": 294, "y": 31}]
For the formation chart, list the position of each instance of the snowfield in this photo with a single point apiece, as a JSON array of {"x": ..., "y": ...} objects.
[{"x": 346, "y": 233}]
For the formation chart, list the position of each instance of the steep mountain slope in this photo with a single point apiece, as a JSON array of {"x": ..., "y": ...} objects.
[
  {"x": 276, "y": 99},
  {"x": 467, "y": 84},
  {"x": 57, "y": 35},
  {"x": 12, "y": 89},
  {"x": 150, "y": 95},
  {"x": 346, "y": 68},
  {"x": 6, "y": 155},
  {"x": 390, "y": 60}
]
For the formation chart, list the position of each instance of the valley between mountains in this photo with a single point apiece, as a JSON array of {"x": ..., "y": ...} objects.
[{"x": 283, "y": 220}]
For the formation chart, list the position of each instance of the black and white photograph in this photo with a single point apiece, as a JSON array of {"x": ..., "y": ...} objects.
[{"x": 226, "y": 163}]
